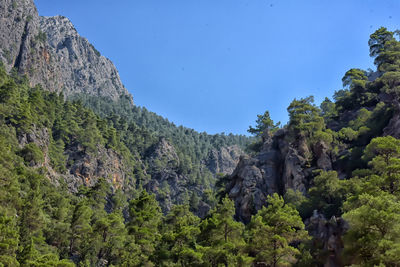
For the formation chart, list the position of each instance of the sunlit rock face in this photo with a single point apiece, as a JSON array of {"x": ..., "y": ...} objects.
[{"x": 51, "y": 53}]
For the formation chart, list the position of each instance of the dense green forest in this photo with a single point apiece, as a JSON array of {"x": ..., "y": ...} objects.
[
  {"x": 44, "y": 223},
  {"x": 188, "y": 141}
]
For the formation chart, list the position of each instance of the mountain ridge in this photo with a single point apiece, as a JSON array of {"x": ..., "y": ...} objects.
[{"x": 50, "y": 52}]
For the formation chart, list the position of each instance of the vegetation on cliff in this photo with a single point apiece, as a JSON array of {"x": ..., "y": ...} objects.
[{"x": 109, "y": 221}]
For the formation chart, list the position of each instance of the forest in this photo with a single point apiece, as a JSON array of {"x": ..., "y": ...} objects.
[{"x": 45, "y": 223}]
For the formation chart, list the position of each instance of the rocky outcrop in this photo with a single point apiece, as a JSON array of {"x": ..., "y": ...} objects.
[
  {"x": 393, "y": 127},
  {"x": 163, "y": 151},
  {"x": 255, "y": 178},
  {"x": 224, "y": 160},
  {"x": 51, "y": 53},
  {"x": 328, "y": 237},
  {"x": 167, "y": 181},
  {"x": 279, "y": 166},
  {"x": 83, "y": 168},
  {"x": 86, "y": 168}
]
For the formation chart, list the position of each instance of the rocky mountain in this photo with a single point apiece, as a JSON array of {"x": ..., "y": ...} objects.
[
  {"x": 51, "y": 53},
  {"x": 84, "y": 168},
  {"x": 172, "y": 186},
  {"x": 279, "y": 166},
  {"x": 317, "y": 141},
  {"x": 224, "y": 160},
  {"x": 75, "y": 174},
  {"x": 177, "y": 164}
]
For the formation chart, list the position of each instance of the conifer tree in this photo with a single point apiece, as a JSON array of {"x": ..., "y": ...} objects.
[
  {"x": 180, "y": 229},
  {"x": 222, "y": 237},
  {"x": 273, "y": 231},
  {"x": 145, "y": 217}
]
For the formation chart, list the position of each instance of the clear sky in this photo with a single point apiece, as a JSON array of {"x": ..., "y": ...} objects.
[{"x": 213, "y": 65}]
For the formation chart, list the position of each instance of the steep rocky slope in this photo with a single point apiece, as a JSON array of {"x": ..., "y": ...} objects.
[
  {"x": 224, "y": 160},
  {"x": 51, "y": 53},
  {"x": 83, "y": 168},
  {"x": 171, "y": 186},
  {"x": 279, "y": 166}
]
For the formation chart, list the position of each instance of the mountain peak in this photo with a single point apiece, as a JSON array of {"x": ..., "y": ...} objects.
[{"x": 50, "y": 52}]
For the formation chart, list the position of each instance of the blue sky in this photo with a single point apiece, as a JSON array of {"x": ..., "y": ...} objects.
[{"x": 213, "y": 65}]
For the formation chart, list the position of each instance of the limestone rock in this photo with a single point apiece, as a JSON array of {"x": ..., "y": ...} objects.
[
  {"x": 167, "y": 182},
  {"x": 328, "y": 236},
  {"x": 393, "y": 128},
  {"x": 279, "y": 166},
  {"x": 83, "y": 168},
  {"x": 51, "y": 53},
  {"x": 254, "y": 179},
  {"x": 224, "y": 160},
  {"x": 321, "y": 151}
]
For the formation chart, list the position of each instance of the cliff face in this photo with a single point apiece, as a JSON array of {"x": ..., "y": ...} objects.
[
  {"x": 83, "y": 168},
  {"x": 51, "y": 53},
  {"x": 171, "y": 186},
  {"x": 279, "y": 166},
  {"x": 224, "y": 160}
]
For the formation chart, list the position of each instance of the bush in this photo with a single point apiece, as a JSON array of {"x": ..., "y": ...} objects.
[
  {"x": 348, "y": 134},
  {"x": 32, "y": 154},
  {"x": 57, "y": 157}
]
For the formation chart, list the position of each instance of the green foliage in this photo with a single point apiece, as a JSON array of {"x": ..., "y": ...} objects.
[
  {"x": 140, "y": 130},
  {"x": 8, "y": 241},
  {"x": 273, "y": 231},
  {"x": 328, "y": 110},
  {"x": 180, "y": 229},
  {"x": 386, "y": 50},
  {"x": 377, "y": 41},
  {"x": 57, "y": 158},
  {"x": 222, "y": 237},
  {"x": 304, "y": 117},
  {"x": 372, "y": 207},
  {"x": 145, "y": 218},
  {"x": 299, "y": 201},
  {"x": 327, "y": 194},
  {"x": 264, "y": 123},
  {"x": 32, "y": 154},
  {"x": 386, "y": 147},
  {"x": 374, "y": 234}
]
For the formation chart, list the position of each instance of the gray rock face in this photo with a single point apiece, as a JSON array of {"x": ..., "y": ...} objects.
[
  {"x": 82, "y": 168},
  {"x": 255, "y": 178},
  {"x": 164, "y": 151},
  {"x": 86, "y": 168},
  {"x": 393, "y": 128},
  {"x": 51, "y": 53},
  {"x": 279, "y": 166},
  {"x": 167, "y": 182},
  {"x": 224, "y": 160},
  {"x": 328, "y": 236}
]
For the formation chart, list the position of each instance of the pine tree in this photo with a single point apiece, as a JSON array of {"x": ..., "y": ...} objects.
[
  {"x": 81, "y": 229},
  {"x": 222, "y": 237},
  {"x": 264, "y": 123},
  {"x": 145, "y": 217},
  {"x": 9, "y": 237},
  {"x": 273, "y": 231},
  {"x": 179, "y": 233}
]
